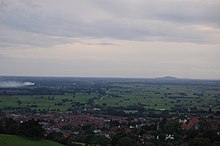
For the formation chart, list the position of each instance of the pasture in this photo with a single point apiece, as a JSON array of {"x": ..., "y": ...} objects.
[
  {"x": 151, "y": 96},
  {"x": 12, "y": 140}
]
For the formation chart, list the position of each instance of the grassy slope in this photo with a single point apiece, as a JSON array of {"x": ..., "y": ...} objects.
[{"x": 12, "y": 140}]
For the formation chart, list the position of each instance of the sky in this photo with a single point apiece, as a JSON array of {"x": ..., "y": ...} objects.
[{"x": 110, "y": 38}]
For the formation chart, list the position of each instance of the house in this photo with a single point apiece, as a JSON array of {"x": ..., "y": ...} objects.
[{"x": 191, "y": 123}]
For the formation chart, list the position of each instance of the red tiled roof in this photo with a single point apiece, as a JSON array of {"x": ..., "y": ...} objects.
[{"x": 192, "y": 122}]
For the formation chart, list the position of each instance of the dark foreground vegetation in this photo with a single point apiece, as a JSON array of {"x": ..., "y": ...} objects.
[
  {"x": 115, "y": 112},
  {"x": 14, "y": 140}
]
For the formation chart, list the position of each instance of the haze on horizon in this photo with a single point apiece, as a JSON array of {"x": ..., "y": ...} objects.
[{"x": 117, "y": 38}]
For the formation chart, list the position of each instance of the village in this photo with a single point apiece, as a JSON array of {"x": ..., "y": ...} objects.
[{"x": 145, "y": 130}]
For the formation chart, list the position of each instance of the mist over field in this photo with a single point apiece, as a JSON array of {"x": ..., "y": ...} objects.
[{"x": 14, "y": 84}]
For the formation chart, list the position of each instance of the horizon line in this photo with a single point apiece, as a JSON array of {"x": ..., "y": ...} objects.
[{"x": 113, "y": 77}]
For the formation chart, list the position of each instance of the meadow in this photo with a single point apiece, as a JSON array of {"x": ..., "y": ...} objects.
[
  {"x": 162, "y": 96},
  {"x": 12, "y": 140},
  {"x": 122, "y": 94}
]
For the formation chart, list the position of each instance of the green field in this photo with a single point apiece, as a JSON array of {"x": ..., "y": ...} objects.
[
  {"x": 12, "y": 140},
  {"x": 162, "y": 96},
  {"x": 44, "y": 102},
  {"x": 124, "y": 94}
]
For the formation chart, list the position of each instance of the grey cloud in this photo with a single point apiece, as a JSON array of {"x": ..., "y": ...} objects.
[
  {"x": 51, "y": 22},
  {"x": 17, "y": 38},
  {"x": 184, "y": 11},
  {"x": 101, "y": 43}
]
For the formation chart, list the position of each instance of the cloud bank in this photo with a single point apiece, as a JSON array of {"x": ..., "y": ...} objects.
[
  {"x": 114, "y": 38},
  {"x": 45, "y": 23}
]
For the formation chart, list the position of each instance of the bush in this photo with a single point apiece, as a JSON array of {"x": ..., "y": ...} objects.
[{"x": 32, "y": 129}]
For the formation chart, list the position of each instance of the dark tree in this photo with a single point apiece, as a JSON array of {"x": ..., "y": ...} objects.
[
  {"x": 31, "y": 128},
  {"x": 8, "y": 126},
  {"x": 200, "y": 142},
  {"x": 116, "y": 137},
  {"x": 56, "y": 136},
  {"x": 11, "y": 126},
  {"x": 126, "y": 141}
]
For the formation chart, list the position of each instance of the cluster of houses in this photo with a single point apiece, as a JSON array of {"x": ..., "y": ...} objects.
[{"x": 105, "y": 125}]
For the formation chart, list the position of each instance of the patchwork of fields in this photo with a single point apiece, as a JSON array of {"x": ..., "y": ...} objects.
[{"x": 123, "y": 94}]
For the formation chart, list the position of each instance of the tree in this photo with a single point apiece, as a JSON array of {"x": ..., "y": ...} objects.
[
  {"x": 126, "y": 141},
  {"x": 8, "y": 125},
  {"x": 116, "y": 137},
  {"x": 103, "y": 141},
  {"x": 32, "y": 129},
  {"x": 19, "y": 102},
  {"x": 2, "y": 128},
  {"x": 200, "y": 142},
  {"x": 216, "y": 143},
  {"x": 171, "y": 126},
  {"x": 11, "y": 126},
  {"x": 56, "y": 136}
]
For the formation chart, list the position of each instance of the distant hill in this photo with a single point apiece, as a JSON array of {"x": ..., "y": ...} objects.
[
  {"x": 167, "y": 78},
  {"x": 13, "y": 140}
]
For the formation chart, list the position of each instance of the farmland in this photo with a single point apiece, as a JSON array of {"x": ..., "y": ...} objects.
[
  {"x": 162, "y": 96},
  {"x": 94, "y": 111},
  {"x": 63, "y": 94}
]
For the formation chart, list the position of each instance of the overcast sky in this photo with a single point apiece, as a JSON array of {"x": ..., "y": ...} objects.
[{"x": 110, "y": 38}]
